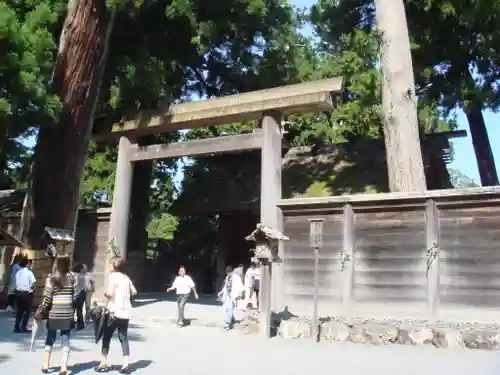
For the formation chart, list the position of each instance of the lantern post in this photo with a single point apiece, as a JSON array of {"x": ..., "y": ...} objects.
[{"x": 266, "y": 241}]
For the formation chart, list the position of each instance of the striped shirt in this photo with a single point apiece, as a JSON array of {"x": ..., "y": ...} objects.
[
  {"x": 25, "y": 280},
  {"x": 60, "y": 301}
]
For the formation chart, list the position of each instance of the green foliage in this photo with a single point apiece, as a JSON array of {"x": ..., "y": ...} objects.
[
  {"x": 348, "y": 35},
  {"x": 99, "y": 174},
  {"x": 452, "y": 39},
  {"x": 27, "y": 49},
  {"x": 162, "y": 226}
]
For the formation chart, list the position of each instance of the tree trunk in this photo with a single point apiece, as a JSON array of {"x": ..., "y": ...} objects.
[
  {"x": 402, "y": 141},
  {"x": 60, "y": 151},
  {"x": 481, "y": 143}
]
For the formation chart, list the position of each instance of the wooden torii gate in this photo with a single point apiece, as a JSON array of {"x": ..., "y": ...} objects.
[{"x": 266, "y": 105}]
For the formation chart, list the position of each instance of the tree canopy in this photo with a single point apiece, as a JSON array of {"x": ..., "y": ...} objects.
[{"x": 174, "y": 51}]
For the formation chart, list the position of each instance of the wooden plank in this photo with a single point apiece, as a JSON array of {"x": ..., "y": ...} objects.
[
  {"x": 391, "y": 198},
  {"x": 302, "y": 97},
  {"x": 432, "y": 244},
  {"x": 230, "y": 143},
  {"x": 387, "y": 269},
  {"x": 469, "y": 260},
  {"x": 298, "y": 264}
]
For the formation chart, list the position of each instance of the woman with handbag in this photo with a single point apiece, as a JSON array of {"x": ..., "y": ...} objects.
[
  {"x": 58, "y": 300},
  {"x": 119, "y": 308}
]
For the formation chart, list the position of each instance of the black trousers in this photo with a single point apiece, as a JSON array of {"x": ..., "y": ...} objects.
[
  {"x": 120, "y": 325},
  {"x": 23, "y": 309},
  {"x": 79, "y": 303}
]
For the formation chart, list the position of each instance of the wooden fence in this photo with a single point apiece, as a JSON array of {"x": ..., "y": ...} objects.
[{"x": 397, "y": 256}]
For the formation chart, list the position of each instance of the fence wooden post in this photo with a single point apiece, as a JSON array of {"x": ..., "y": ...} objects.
[
  {"x": 348, "y": 258},
  {"x": 432, "y": 245}
]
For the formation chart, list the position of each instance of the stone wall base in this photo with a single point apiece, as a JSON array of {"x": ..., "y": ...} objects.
[{"x": 469, "y": 335}]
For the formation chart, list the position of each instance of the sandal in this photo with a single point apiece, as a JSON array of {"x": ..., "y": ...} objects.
[
  {"x": 102, "y": 368},
  {"x": 44, "y": 370},
  {"x": 125, "y": 370}
]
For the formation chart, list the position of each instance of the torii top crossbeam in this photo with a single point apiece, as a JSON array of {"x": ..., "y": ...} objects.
[{"x": 302, "y": 97}]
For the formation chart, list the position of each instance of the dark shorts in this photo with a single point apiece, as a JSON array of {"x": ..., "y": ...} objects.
[{"x": 256, "y": 285}]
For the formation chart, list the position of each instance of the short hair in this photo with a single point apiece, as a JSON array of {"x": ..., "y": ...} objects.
[
  {"x": 118, "y": 264},
  {"x": 23, "y": 260},
  {"x": 229, "y": 269},
  {"x": 78, "y": 267}
]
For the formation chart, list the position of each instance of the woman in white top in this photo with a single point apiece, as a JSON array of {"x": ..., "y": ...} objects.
[
  {"x": 230, "y": 294},
  {"x": 250, "y": 275},
  {"x": 119, "y": 291}
]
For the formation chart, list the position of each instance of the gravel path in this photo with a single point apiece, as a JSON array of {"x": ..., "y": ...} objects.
[{"x": 159, "y": 347}]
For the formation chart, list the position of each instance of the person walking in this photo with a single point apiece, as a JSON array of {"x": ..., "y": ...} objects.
[
  {"x": 239, "y": 271},
  {"x": 89, "y": 291},
  {"x": 25, "y": 286},
  {"x": 230, "y": 294},
  {"x": 183, "y": 286},
  {"x": 256, "y": 283},
  {"x": 59, "y": 299},
  {"x": 11, "y": 289},
  {"x": 119, "y": 291},
  {"x": 250, "y": 284},
  {"x": 80, "y": 295}
]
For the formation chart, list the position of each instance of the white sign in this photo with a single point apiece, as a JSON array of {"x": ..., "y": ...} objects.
[{"x": 316, "y": 233}]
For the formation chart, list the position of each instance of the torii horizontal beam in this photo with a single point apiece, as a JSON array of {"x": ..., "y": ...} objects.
[
  {"x": 224, "y": 144},
  {"x": 298, "y": 98}
]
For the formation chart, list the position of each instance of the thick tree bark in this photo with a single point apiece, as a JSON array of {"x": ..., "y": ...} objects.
[
  {"x": 481, "y": 143},
  {"x": 402, "y": 141},
  {"x": 60, "y": 151}
]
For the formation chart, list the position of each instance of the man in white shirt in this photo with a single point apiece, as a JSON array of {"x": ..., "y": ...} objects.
[
  {"x": 183, "y": 285},
  {"x": 25, "y": 286}
]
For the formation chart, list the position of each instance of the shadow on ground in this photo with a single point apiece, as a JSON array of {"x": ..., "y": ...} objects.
[
  {"x": 23, "y": 339},
  {"x": 152, "y": 298},
  {"x": 86, "y": 366}
]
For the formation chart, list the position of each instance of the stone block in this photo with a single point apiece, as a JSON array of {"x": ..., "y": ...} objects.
[
  {"x": 380, "y": 334},
  {"x": 295, "y": 329},
  {"x": 447, "y": 338},
  {"x": 415, "y": 336},
  {"x": 481, "y": 340},
  {"x": 357, "y": 335},
  {"x": 334, "y": 331}
]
